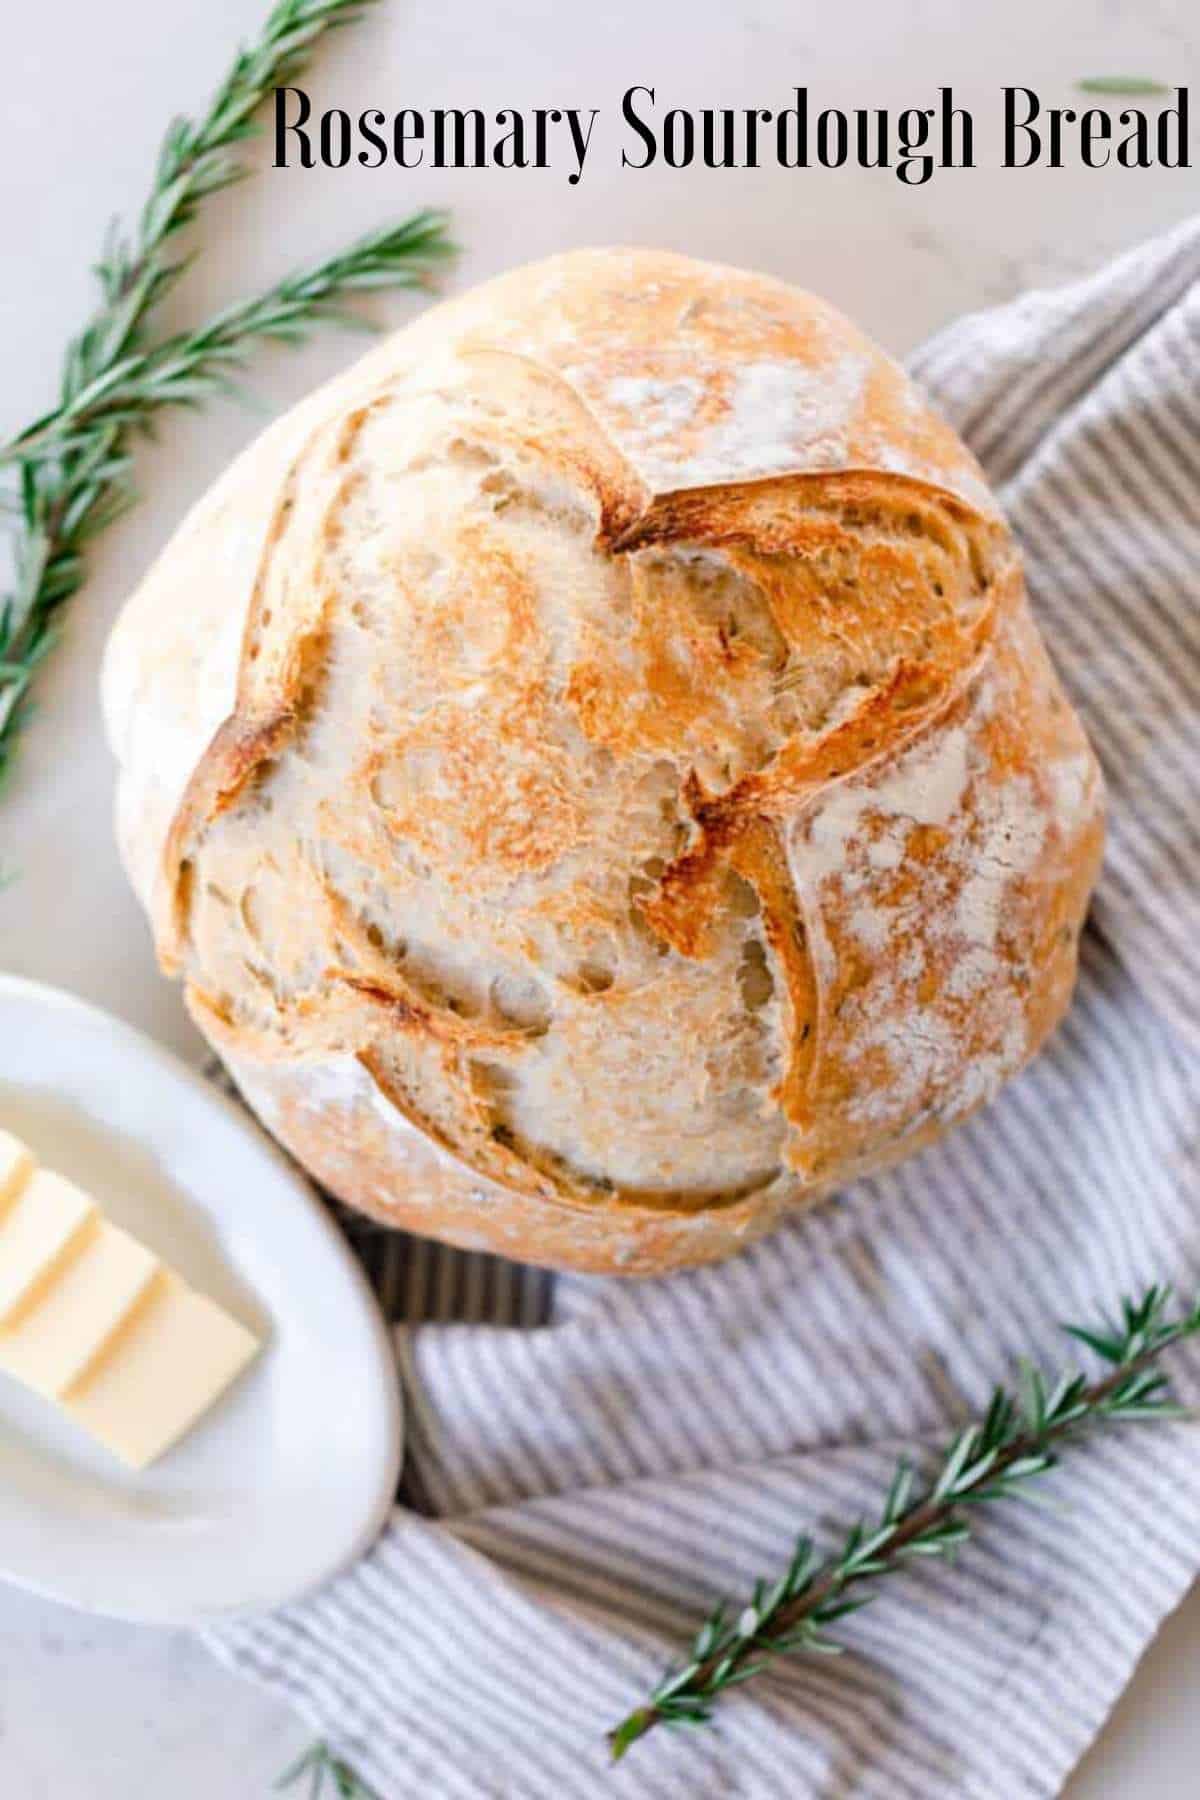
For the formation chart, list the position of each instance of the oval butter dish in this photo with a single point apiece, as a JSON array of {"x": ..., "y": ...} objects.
[{"x": 292, "y": 1472}]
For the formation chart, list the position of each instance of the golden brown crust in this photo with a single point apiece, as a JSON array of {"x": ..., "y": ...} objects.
[{"x": 595, "y": 771}]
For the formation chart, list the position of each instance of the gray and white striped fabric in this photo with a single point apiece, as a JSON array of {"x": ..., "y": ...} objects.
[{"x": 592, "y": 1463}]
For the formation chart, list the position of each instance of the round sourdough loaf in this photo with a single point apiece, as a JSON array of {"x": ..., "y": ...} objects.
[{"x": 595, "y": 772}]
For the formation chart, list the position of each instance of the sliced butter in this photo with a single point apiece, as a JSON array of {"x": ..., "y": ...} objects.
[
  {"x": 36, "y": 1232},
  {"x": 176, "y": 1354},
  {"x": 90, "y": 1318},
  {"x": 50, "y": 1342},
  {"x": 16, "y": 1166}
]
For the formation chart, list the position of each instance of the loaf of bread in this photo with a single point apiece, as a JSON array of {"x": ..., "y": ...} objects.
[{"x": 595, "y": 772}]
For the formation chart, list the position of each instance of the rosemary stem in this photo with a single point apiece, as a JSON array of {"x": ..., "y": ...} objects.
[{"x": 985, "y": 1462}]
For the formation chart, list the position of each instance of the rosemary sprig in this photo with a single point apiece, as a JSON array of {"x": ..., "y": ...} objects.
[
  {"x": 197, "y": 365},
  {"x": 71, "y": 469},
  {"x": 1122, "y": 84},
  {"x": 319, "y": 1762},
  {"x": 195, "y": 160},
  {"x": 989, "y": 1460}
]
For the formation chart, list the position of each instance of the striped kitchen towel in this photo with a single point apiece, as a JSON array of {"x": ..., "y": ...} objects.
[{"x": 592, "y": 1463}]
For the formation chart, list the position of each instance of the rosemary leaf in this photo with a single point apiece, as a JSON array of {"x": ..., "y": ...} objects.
[
  {"x": 1132, "y": 85},
  {"x": 320, "y": 1765},
  {"x": 993, "y": 1459}
]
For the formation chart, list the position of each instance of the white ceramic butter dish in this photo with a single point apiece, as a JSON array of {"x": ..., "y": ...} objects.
[{"x": 294, "y": 1470}]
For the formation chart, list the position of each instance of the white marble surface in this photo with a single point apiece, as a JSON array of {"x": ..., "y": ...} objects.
[{"x": 93, "y": 1711}]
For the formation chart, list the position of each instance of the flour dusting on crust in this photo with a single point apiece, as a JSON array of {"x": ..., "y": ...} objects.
[{"x": 918, "y": 877}]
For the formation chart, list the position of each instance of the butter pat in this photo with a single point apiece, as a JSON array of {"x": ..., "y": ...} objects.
[
  {"x": 36, "y": 1231},
  {"x": 91, "y": 1318},
  {"x": 175, "y": 1356},
  {"x": 50, "y": 1342},
  {"x": 16, "y": 1166}
]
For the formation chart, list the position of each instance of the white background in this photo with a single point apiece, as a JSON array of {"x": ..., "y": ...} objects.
[{"x": 93, "y": 1711}]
